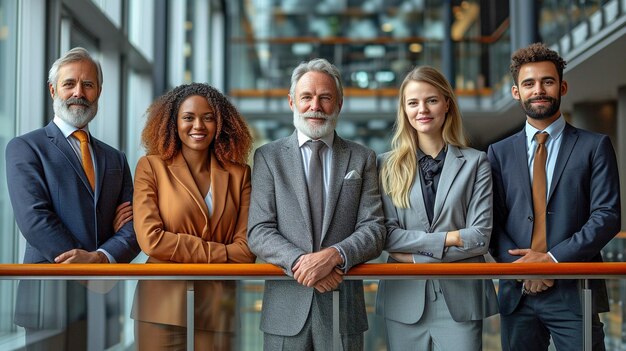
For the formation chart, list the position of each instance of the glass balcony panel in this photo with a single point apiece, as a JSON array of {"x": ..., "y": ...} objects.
[{"x": 57, "y": 312}]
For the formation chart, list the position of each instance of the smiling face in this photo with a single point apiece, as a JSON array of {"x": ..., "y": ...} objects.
[
  {"x": 196, "y": 124},
  {"x": 539, "y": 91},
  {"x": 425, "y": 108},
  {"x": 315, "y": 105},
  {"x": 76, "y": 93}
]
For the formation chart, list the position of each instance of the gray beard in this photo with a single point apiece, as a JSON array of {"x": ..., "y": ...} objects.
[
  {"x": 315, "y": 132},
  {"x": 76, "y": 116}
]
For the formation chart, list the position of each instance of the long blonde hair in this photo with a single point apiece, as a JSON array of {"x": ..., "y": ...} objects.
[{"x": 400, "y": 167}]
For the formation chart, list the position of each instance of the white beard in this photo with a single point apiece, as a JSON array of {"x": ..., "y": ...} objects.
[
  {"x": 76, "y": 116},
  {"x": 314, "y": 131}
]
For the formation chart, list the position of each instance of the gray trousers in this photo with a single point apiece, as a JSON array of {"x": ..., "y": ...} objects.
[
  {"x": 316, "y": 334},
  {"x": 436, "y": 330}
]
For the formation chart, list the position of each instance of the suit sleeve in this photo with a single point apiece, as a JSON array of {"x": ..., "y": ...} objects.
[
  {"x": 32, "y": 204},
  {"x": 123, "y": 245},
  {"x": 478, "y": 219},
  {"x": 412, "y": 241},
  {"x": 500, "y": 239},
  {"x": 264, "y": 238},
  {"x": 368, "y": 239},
  {"x": 238, "y": 251},
  {"x": 604, "y": 220},
  {"x": 399, "y": 239}
]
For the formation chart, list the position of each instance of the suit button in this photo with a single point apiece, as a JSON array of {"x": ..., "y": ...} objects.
[{"x": 530, "y": 218}]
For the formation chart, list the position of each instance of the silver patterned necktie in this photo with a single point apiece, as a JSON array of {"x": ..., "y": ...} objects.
[{"x": 315, "y": 184}]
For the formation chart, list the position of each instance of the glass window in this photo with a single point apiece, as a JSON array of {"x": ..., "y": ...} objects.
[
  {"x": 8, "y": 61},
  {"x": 113, "y": 10},
  {"x": 141, "y": 26},
  {"x": 189, "y": 41}
]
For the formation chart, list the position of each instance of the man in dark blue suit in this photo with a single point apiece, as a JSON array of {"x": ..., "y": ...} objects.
[
  {"x": 565, "y": 211},
  {"x": 71, "y": 199}
]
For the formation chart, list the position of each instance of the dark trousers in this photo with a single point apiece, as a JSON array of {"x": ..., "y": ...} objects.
[
  {"x": 73, "y": 338},
  {"x": 538, "y": 317}
]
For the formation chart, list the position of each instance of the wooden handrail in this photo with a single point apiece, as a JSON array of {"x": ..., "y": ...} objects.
[{"x": 364, "y": 270}]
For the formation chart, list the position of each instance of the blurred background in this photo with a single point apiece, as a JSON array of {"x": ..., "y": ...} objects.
[{"x": 248, "y": 48}]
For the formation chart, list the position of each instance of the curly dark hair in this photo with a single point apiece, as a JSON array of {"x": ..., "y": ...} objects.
[
  {"x": 232, "y": 141},
  {"x": 537, "y": 52}
]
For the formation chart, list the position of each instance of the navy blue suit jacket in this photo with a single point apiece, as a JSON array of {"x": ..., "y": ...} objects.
[
  {"x": 583, "y": 209},
  {"x": 54, "y": 205}
]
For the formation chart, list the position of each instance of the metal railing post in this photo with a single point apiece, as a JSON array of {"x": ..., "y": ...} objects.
[
  {"x": 190, "y": 315},
  {"x": 336, "y": 335},
  {"x": 587, "y": 337}
]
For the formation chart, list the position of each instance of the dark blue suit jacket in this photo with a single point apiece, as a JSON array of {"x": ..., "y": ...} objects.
[
  {"x": 54, "y": 205},
  {"x": 583, "y": 209}
]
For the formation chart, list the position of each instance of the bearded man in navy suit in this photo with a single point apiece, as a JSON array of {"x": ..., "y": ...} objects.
[
  {"x": 68, "y": 212},
  {"x": 578, "y": 211}
]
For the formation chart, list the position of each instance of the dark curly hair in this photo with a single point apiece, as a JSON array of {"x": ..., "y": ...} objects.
[
  {"x": 537, "y": 52},
  {"x": 232, "y": 141}
]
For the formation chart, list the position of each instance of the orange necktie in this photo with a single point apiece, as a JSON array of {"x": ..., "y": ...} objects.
[
  {"x": 538, "y": 242},
  {"x": 81, "y": 135}
]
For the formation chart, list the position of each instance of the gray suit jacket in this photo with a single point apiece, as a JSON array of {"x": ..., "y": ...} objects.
[
  {"x": 583, "y": 209},
  {"x": 463, "y": 202},
  {"x": 280, "y": 230}
]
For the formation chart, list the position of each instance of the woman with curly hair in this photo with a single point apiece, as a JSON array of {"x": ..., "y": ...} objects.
[
  {"x": 437, "y": 201},
  {"x": 191, "y": 199}
]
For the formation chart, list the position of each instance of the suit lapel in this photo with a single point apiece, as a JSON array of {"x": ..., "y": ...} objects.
[
  {"x": 416, "y": 198},
  {"x": 60, "y": 142},
  {"x": 219, "y": 188},
  {"x": 520, "y": 156},
  {"x": 293, "y": 162},
  {"x": 100, "y": 166},
  {"x": 453, "y": 163},
  {"x": 180, "y": 171},
  {"x": 339, "y": 168},
  {"x": 567, "y": 146}
]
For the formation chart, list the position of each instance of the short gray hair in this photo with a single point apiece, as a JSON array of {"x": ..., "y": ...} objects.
[
  {"x": 316, "y": 65},
  {"x": 74, "y": 55}
]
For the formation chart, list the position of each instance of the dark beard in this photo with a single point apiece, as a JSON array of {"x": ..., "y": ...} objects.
[{"x": 541, "y": 113}]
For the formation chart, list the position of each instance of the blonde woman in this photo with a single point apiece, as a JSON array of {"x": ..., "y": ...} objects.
[{"x": 437, "y": 201}]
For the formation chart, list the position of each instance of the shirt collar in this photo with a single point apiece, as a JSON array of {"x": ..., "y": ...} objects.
[
  {"x": 554, "y": 130},
  {"x": 328, "y": 140},
  {"x": 440, "y": 156},
  {"x": 66, "y": 128}
]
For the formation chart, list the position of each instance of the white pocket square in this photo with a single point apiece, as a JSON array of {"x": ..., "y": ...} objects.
[{"x": 352, "y": 175}]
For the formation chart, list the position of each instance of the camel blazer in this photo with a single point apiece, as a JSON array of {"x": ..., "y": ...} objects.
[
  {"x": 463, "y": 202},
  {"x": 173, "y": 225}
]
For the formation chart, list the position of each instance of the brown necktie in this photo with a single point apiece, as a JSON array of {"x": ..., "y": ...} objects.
[
  {"x": 81, "y": 135},
  {"x": 315, "y": 185},
  {"x": 538, "y": 242}
]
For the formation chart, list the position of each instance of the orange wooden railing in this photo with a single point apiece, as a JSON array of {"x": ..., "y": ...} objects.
[{"x": 363, "y": 271}]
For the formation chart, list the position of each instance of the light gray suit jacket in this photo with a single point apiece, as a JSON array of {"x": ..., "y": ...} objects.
[
  {"x": 463, "y": 202},
  {"x": 280, "y": 230}
]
